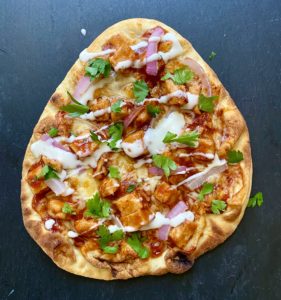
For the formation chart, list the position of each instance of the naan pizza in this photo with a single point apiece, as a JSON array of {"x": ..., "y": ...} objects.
[{"x": 140, "y": 161}]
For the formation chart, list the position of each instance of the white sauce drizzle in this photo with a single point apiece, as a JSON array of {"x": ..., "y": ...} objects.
[
  {"x": 134, "y": 149},
  {"x": 93, "y": 114},
  {"x": 94, "y": 158},
  {"x": 67, "y": 159},
  {"x": 72, "y": 234},
  {"x": 153, "y": 137},
  {"x": 207, "y": 155},
  {"x": 49, "y": 224},
  {"x": 141, "y": 162},
  {"x": 140, "y": 45},
  {"x": 85, "y": 55}
]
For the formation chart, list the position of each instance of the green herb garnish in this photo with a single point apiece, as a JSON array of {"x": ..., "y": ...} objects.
[
  {"x": 212, "y": 55},
  {"x": 164, "y": 162},
  {"x": 140, "y": 90},
  {"x": 190, "y": 138},
  {"x": 135, "y": 241},
  {"x": 207, "y": 103},
  {"x": 116, "y": 107},
  {"x": 257, "y": 199},
  {"x": 98, "y": 67},
  {"x": 114, "y": 172},
  {"x": 218, "y": 206},
  {"x": 75, "y": 110},
  {"x": 106, "y": 237},
  {"x": 131, "y": 188},
  {"x": 180, "y": 76},
  {"x": 207, "y": 188},
  {"x": 67, "y": 209},
  {"x": 48, "y": 173},
  {"x": 115, "y": 132},
  {"x": 53, "y": 132},
  {"x": 153, "y": 110},
  {"x": 96, "y": 207},
  {"x": 94, "y": 137},
  {"x": 234, "y": 156}
]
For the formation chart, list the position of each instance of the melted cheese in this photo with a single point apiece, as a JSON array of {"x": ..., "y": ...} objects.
[
  {"x": 94, "y": 158},
  {"x": 134, "y": 149},
  {"x": 153, "y": 138},
  {"x": 67, "y": 159},
  {"x": 85, "y": 55}
]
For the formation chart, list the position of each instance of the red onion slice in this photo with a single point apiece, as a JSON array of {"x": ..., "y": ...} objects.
[
  {"x": 163, "y": 232},
  {"x": 60, "y": 146},
  {"x": 130, "y": 118},
  {"x": 152, "y": 67},
  {"x": 81, "y": 87},
  {"x": 155, "y": 171},
  {"x": 57, "y": 186},
  {"x": 196, "y": 68},
  {"x": 45, "y": 137}
]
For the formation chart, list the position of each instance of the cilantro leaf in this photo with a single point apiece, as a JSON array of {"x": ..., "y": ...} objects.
[
  {"x": 140, "y": 90},
  {"x": 75, "y": 110},
  {"x": 181, "y": 75},
  {"x": 212, "y": 55},
  {"x": 94, "y": 137},
  {"x": 67, "y": 209},
  {"x": 114, "y": 172},
  {"x": 131, "y": 188},
  {"x": 53, "y": 132},
  {"x": 218, "y": 206},
  {"x": 207, "y": 188},
  {"x": 189, "y": 138},
  {"x": 152, "y": 110},
  {"x": 106, "y": 237},
  {"x": 96, "y": 207},
  {"x": 135, "y": 243},
  {"x": 164, "y": 163},
  {"x": 116, "y": 107},
  {"x": 48, "y": 172},
  {"x": 257, "y": 199},
  {"x": 115, "y": 132},
  {"x": 234, "y": 157},
  {"x": 98, "y": 67},
  {"x": 206, "y": 103}
]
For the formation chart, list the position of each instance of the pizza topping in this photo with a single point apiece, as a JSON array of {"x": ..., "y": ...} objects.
[
  {"x": 59, "y": 187},
  {"x": 136, "y": 242},
  {"x": 72, "y": 234},
  {"x": 153, "y": 137},
  {"x": 189, "y": 138},
  {"x": 165, "y": 163},
  {"x": 75, "y": 110},
  {"x": 140, "y": 90},
  {"x": 216, "y": 167},
  {"x": 96, "y": 207},
  {"x": 152, "y": 67},
  {"x": 106, "y": 238},
  {"x": 53, "y": 132},
  {"x": 82, "y": 86},
  {"x": 98, "y": 67},
  {"x": 49, "y": 224},
  {"x": 115, "y": 132},
  {"x": 180, "y": 76},
  {"x": 85, "y": 55},
  {"x": 207, "y": 188},
  {"x": 218, "y": 206},
  {"x": 114, "y": 172},
  {"x": 197, "y": 69},
  {"x": 234, "y": 156},
  {"x": 206, "y": 103}
]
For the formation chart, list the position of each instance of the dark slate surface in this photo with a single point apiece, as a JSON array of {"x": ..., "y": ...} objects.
[{"x": 40, "y": 40}]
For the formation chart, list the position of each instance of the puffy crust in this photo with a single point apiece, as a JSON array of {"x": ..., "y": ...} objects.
[{"x": 211, "y": 230}]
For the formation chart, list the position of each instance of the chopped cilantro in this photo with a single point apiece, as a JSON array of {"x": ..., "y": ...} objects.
[
  {"x": 135, "y": 241},
  {"x": 96, "y": 207},
  {"x": 98, "y": 67},
  {"x": 180, "y": 76},
  {"x": 257, "y": 199},
  {"x": 207, "y": 103},
  {"x": 114, "y": 172},
  {"x": 116, "y": 107},
  {"x": 189, "y": 138},
  {"x": 53, "y": 132},
  {"x": 106, "y": 237},
  {"x": 131, "y": 188},
  {"x": 115, "y": 132},
  {"x": 164, "y": 162},
  {"x": 75, "y": 110},
  {"x": 48, "y": 173},
  {"x": 207, "y": 188},
  {"x": 94, "y": 137},
  {"x": 153, "y": 110},
  {"x": 140, "y": 90},
  {"x": 218, "y": 206},
  {"x": 67, "y": 209},
  {"x": 234, "y": 157}
]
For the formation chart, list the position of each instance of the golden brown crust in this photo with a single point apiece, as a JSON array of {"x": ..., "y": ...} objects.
[{"x": 211, "y": 230}]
